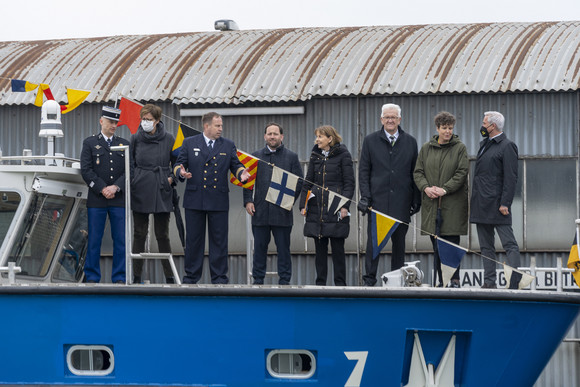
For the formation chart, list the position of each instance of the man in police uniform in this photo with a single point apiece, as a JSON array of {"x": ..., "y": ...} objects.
[
  {"x": 104, "y": 172},
  {"x": 205, "y": 161}
]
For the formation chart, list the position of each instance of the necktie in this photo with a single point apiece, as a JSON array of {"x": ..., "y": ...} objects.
[
  {"x": 109, "y": 141},
  {"x": 392, "y": 140},
  {"x": 209, "y": 144}
]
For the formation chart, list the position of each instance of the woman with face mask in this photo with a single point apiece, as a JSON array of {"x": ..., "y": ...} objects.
[{"x": 152, "y": 182}]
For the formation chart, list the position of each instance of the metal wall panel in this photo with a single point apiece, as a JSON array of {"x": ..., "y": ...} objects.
[
  {"x": 541, "y": 124},
  {"x": 297, "y": 64}
]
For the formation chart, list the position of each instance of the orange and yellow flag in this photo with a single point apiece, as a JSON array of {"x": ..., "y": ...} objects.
[
  {"x": 251, "y": 164},
  {"x": 75, "y": 98}
]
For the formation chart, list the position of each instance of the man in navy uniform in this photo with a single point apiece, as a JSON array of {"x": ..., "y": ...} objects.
[
  {"x": 205, "y": 161},
  {"x": 104, "y": 172}
]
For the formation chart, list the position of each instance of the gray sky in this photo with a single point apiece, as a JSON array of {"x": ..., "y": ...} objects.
[{"x": 61, "y": 19}]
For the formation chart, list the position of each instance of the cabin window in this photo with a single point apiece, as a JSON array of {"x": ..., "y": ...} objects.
[
  {"x": 70, "y": 263},
  {"x": 39, "y": 235},
  {"x": 96, "y": 360},
  {"x": 291, "y": 364},
  {"x": 9, "y": 202}
]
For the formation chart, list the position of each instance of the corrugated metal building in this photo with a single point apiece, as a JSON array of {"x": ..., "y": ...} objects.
[{"x": 338, "y": 76}]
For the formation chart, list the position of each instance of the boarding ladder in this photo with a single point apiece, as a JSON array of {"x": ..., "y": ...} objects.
[{"x": 167, "y": 256}]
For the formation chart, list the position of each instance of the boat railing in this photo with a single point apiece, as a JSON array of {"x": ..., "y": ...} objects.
[
  {"x": 56, "y": 160},
  {"x": 559, "y": 270},
  {"x": 11, "y": 269}
]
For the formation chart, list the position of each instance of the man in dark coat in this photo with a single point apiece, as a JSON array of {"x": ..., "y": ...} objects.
[
  {"x": 386, "y": 184},
  {"x": 205, "y": 160},
  {"x": 268, "y": 218},
  {"x": 494, "y": 186},
  {"x": 104, "y": 172}
]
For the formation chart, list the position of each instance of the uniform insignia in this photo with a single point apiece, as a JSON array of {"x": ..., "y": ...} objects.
[
  {"x": 196, "y": 150},
  {"x": 98, "y": 161},
  {"x": 97, "y": 147},
  {"x": 222, "y": 154}
]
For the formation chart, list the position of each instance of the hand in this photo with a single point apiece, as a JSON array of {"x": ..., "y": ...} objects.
[
  {"x": 109, "y": 191},
  {"x": 343, "y": 213},
  {"x": 415, "y": 207},
  {"x": 303, "y": 211},
  {"x": 430, "y": 192},
  {"x": 170, "y": 180},
  {"x": 434, "y": 192},
  {"x": 244, "y": 176},
  {"x": 184, "y": 173},
  {"x": 364, "y": 205},
  {"x": 504, "y": 210},
  {"x": 250, "y": 208}
]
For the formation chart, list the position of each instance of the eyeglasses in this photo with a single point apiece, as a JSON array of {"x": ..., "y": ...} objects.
[{"x": 390, "y": 118}]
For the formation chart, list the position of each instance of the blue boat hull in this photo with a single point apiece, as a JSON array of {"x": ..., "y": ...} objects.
[{"x": 223, "y": 335}]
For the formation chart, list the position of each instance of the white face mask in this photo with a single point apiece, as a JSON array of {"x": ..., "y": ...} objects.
[{"x": 147, "y": 125}]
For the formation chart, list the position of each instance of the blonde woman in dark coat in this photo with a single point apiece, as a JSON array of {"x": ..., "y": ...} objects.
[
  {"x": 330, "y": 169},
  {"x": 441, "y": 176}
]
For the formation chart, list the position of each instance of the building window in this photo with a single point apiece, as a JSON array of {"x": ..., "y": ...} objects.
[
  {"x": 94, "y": 360},
  {"x": 291, "y": 364}
]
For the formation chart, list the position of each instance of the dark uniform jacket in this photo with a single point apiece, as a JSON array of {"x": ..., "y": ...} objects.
[
  {"x": 386, "y": 174},
  {"x": 336, "y": 173},
  {"x": 151, "y": 165},
  {"x": 269, "y": 214},
  {"x": 208, "y": 189},
  {"x": 101, "y": 167},
  {"x": 494, "y": 181}
]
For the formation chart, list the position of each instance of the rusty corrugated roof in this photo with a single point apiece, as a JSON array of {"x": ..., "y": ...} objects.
[{"x": 297, "y": 64}]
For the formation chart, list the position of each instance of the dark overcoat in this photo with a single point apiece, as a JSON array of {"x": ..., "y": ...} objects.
[
  {"x": 102, "y": 167},
  {"x": 386, "y": 174},
  {"x": 151, "y": 166},
  {"x": 494, "y": 181},
  {"x": 333, "y": 173},
  {"x": 269, "y": 214},
  {"x": 208, "y": 188}
]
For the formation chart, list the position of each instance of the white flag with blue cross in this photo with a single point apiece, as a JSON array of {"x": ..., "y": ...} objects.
[{"x": 282, "y": 191}]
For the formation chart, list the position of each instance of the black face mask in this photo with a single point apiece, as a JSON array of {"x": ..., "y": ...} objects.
[{"x": 483, "y": 132}]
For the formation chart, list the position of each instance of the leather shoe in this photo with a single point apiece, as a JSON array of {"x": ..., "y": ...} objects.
[
  {"x": 488, "y": 286},
  {"x": 454, "y": 284}
]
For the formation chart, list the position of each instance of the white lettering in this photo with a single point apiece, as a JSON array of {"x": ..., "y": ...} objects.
[{"x": 356, "y": 374}]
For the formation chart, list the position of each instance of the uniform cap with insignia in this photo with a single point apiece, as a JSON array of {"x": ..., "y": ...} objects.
[{"x": 111, "y": 113}]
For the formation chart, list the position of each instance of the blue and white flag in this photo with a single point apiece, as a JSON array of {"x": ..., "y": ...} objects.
[
  {"x": 335, "y": 202},
  {"x": 450, "y": 255},
  {"x": 516, "y": 279},
  {"x": 282, "y": 189}
]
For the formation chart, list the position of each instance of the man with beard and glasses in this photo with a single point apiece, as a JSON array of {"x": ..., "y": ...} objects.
[{"x": 268, "y": 218}]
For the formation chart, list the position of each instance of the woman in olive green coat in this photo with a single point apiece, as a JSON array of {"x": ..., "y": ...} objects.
[{"x": 441, "y": 176}]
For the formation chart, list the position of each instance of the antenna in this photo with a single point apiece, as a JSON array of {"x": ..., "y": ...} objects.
[{"x": 50, "y": 126}]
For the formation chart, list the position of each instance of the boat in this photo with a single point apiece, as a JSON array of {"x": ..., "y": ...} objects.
[{"x": 59, "y": 330}]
